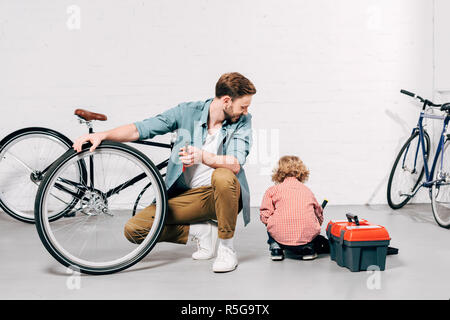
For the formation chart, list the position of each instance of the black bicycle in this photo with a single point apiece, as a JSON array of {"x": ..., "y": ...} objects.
[
  {"x": 83, "y": 200},
  {"x": 411, "y": 166}
]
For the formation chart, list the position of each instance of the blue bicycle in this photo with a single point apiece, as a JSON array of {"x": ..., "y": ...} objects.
[{"x": 411, "y": 165}]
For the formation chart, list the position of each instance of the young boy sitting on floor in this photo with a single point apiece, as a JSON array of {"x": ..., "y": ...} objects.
[{"x": 292, "y": 214}]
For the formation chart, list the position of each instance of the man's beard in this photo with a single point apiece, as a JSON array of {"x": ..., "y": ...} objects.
[{"x": 230, "y": 116}]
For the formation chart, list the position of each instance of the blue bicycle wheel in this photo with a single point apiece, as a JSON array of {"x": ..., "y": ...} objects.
[{"x": 407, "y": 172}]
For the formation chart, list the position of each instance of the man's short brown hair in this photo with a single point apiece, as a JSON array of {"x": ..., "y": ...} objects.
[{"x": 235, "y": 85}]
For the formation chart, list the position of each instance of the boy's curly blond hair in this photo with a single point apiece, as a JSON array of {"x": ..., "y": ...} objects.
[{"x": 290, "y": 166}]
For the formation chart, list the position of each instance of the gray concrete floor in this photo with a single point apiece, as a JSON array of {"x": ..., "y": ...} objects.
[{"x": 419, "y": 271}]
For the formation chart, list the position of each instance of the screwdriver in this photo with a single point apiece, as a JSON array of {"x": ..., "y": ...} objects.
[{"x": 186, "y": 146}]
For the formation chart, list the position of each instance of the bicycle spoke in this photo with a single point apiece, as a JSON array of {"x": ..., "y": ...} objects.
[{"x": 24, "y": 165}]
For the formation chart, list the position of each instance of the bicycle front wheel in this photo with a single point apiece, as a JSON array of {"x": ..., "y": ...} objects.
[
  {"x": 440, "y": 191},
  {"x": 92, "y": 239},
  {"x": 25, "y": 155},
  {"x": 407, "y": 171}
]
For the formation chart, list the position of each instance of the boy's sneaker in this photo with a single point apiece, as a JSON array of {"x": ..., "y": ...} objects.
[
  {"x": 309, "y": 256},
  {"x": 308, "y": 253},
  {"x": 276, "y": 254}
]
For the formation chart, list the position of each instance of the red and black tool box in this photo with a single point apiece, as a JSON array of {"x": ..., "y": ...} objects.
[{"x": 357, "y": 244}]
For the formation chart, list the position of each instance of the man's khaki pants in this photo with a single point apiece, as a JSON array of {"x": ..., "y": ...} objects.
[{"x": 220, "y": 201}]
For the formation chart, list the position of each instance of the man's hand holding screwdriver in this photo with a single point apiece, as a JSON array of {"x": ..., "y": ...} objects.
[{"x": 190, "y": 155}]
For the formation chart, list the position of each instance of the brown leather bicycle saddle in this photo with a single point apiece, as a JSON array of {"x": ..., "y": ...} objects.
[{"x": 89, "y": 116}]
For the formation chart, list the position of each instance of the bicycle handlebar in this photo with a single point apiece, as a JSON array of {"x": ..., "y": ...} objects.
[
  {"x": 408, "y": 93},
  {"x": 424, "y": 101}
]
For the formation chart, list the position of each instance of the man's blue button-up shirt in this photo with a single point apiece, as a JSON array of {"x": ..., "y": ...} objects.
[{"x": 190, "y": 121}]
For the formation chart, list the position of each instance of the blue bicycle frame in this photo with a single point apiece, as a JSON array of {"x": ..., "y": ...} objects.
[{"x": 429, "y": 172}]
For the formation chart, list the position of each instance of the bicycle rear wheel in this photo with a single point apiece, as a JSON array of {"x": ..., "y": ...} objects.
[
  {"x": 24, "y": 156},
  {"x": 93, "y": 240},
  {"x": 440, "y": 191},
  {"x": 407, "y": 171}
]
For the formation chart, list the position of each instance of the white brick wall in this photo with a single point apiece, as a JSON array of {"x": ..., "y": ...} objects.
[{"x": 328, "y": 74}]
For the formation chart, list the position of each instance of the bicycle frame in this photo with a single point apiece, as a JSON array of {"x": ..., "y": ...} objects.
[{"x": 429, "y": 172}]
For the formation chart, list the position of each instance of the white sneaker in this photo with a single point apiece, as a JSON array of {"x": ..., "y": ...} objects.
[
  {"x": 226, "y": 260},
  {"x": 206, "y": 243}
]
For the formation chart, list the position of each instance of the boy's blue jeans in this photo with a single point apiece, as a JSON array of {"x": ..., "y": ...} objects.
[{"x": 318, "y": 245}]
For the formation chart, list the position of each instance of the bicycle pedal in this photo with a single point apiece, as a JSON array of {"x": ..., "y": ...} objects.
[{"x": 404, "y": 194}]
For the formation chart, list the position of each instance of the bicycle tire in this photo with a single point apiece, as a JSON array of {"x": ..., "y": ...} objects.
[
  {"x": 8, "y": 142},
  {"x": 390, "y": 201},
  {"x": 442, "y": 218},
  {"x": 42, "y": 225}
]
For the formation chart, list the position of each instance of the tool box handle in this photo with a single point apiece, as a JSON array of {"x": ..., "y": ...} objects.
[{"x": 352, "y": 217}]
